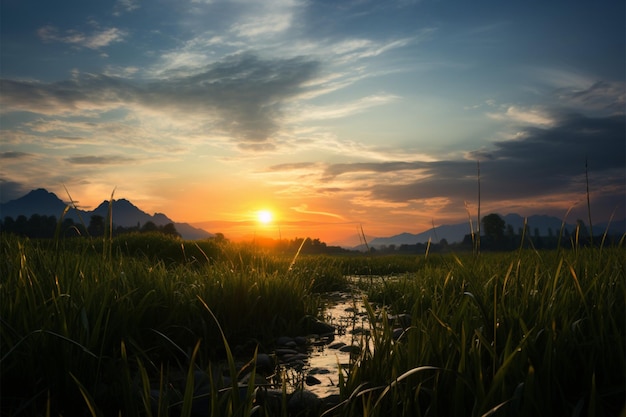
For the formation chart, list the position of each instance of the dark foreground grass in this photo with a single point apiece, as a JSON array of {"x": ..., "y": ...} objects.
[
  {"x": 528, "y": 334},
  {"x": 90, "y": 327},
  {"x": 81, "y": 319}
]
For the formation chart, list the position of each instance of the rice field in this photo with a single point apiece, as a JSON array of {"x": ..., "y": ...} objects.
[{"x": 124, "y": 326}]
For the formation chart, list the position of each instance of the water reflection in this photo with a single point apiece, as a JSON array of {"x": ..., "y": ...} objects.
[{"x": 320, "y": 373}]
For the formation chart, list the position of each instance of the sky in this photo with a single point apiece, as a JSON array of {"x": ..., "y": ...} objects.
[{"x": 332, "y": 115}]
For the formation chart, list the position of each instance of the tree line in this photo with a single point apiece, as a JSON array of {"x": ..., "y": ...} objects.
[
  {"x": 309, "y": 246},
  {"x": 497, "y": 235},
  {"x": 43, "y": 226}
]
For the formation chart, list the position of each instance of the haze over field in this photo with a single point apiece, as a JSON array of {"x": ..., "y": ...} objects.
[{"x": 327, "y": 115}]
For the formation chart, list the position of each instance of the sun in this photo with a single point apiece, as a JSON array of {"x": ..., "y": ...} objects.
[{"x": 264, "y": 216}]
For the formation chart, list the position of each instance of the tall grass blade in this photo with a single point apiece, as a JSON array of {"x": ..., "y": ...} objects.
[
  {"x": 478, "y": 214},
  {"x": 471, "y": 225},
  {"x": 588, "y": 201},
  {"x": 495, "y": 409},
  {"x": 181, "y": 350},
  {"x": 606, "y": 230},
  {"x": 66, "y": 339},
  {"x": 107, "y": 239},
  {"x": 235, "y": 400},
  {"x": 558, "y": 245},
  {"x": 73, "y": 204},
  {"x": 577, "y": 285},
  {"x": 364, "y": 239},
  {"x": 293, "y": 261},
  {"x": 88, "y": 399},
  {"x": 401, "y": 378},
  {"x": 189, "y": 384}
]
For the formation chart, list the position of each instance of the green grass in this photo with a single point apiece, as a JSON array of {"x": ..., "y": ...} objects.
[
  {"x": 529, "y": 333},
  {"x": 89, "y": 327},
  {"x": 75, "y": 319}
]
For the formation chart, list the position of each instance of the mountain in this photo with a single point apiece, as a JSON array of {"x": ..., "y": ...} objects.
[
  {"x": 124, "y": 212},
  {"x": 38, "y": 201},
  {"x": 456, "y": 232},
  {"x": 452, "y": 233},
  {"x": 351, "y": 242}
]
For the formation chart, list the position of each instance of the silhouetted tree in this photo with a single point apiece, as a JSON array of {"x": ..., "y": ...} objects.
[
  {"x": 21, "y": 224},
  {"x": 68, "y": 228},
  {"x": 510, "y": 232},
  {"x": 149, "y": 227},
  {"x": 8, "y": 225},
  {"x": 493, "y": 226},
  {"x": 220, "y": 238},
  {"x": 96, "y": 225},
  {"x": 170, "y": 229}
]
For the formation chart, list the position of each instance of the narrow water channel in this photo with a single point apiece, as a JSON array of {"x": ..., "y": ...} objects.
[
  {"x": 320, "y": 373},
  {"x": 317, "y": 368}
]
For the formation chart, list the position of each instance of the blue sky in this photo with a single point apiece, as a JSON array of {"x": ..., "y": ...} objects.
[{"x": 332, "y": 114}]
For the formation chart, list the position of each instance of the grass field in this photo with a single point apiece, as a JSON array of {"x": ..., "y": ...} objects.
[{"x": 91, "y": 327}]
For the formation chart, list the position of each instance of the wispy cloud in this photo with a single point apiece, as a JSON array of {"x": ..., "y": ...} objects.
[
  {"x": 100, "y": 159},
  {"x": 529, "y": 116},
  {"x": 601, "y": 95},
  {"x": 335, "y": 170},
  {"x": 125, "y": 6},
  {"x": 266, "y": 18},
  {"x": 14, "y": 155},
  {"x": 97, "y": 39},
  {"x": 341, "y": 110},
  {"x": 292, "y": 166},
  {"x": 304, "y": 208}
]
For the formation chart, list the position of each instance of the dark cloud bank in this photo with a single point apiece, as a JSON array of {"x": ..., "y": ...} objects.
[
  {"x": 241, "y": 94},
  {"x": 541, "y": 162}
]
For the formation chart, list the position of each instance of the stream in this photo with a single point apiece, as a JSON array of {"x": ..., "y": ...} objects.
[{"x": 318, "y": 370}]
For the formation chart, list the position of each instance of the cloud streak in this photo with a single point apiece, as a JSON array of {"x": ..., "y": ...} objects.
[
  {"x": 304, "y": 209},
  {"x": 14, "y": 155},
  {"x": 99, "y": 160},
  {"x": 97, "y": 39}
]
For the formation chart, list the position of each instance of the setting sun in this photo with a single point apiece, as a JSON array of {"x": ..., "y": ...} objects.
[{"x": 264, "y": 216}]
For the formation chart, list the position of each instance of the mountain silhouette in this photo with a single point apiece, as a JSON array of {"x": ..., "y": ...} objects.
[
  {"x": 124, "y": 213},
  {"x": 38, "y": 201}
]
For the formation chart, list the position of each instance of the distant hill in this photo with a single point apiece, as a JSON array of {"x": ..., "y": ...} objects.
[
  {"x": 456, "y": 232},
  {"x": 124, "y": 213},
  {"x": 452, "y": 233}
]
